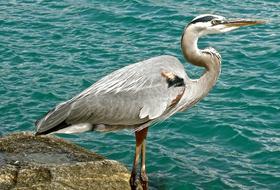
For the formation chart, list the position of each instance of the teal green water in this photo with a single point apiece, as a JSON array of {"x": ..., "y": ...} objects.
[{"x": 52, "y": 50}]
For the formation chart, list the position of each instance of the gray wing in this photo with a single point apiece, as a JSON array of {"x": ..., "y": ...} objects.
[{"x": 133, "y": 95}]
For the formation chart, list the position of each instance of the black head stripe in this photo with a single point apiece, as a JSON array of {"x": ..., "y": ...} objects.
[{"x": 203, "y": 19}]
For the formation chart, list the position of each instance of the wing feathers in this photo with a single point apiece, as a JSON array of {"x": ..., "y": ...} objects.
[{"x": 132, "y": 95}]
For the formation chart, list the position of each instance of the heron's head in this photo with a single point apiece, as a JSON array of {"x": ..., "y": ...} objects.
[{"x": 213, "y": 24}]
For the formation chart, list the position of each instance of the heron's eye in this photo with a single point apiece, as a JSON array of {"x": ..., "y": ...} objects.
[{"x": 215, "y": 22}]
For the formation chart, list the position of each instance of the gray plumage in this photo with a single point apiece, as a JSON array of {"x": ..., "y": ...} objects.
[
  {"x": 142, "y": 93},
  {"x": 126, "y": 98}
]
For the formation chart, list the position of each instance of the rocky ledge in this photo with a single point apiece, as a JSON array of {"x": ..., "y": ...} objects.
[{"x": 44, "y": 162}]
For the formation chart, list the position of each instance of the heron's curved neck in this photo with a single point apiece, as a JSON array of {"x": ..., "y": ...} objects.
[{"x": 197, "y": 57}]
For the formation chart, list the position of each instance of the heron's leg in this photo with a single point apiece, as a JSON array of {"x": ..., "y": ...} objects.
[
  {"x": 143, "y": 175},
  {"x": 132, "y": 180},
  {"x": 140, "y": 137}
]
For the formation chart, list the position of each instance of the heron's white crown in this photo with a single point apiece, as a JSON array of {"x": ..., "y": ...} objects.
[
  {"x": 209, "y": 24},
  {"x": 208, "y": 15}
]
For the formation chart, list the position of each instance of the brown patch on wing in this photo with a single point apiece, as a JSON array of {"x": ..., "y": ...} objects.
[
  {"x": 175, "y": 101},
  {"x": 168, "y": 75}
]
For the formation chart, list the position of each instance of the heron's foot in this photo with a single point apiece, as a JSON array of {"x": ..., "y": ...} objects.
[
  {"x": 144, "y": 180},
  {"x": 133, "y": 182}
]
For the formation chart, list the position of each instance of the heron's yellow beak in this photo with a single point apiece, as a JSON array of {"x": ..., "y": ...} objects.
[{"x": 239, "y": 23}]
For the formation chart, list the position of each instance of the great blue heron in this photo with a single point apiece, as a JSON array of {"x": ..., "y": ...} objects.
[{"x": 143, "y": 93}]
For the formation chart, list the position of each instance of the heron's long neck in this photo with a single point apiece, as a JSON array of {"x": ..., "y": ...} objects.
[{"x": 196, "y": 57}]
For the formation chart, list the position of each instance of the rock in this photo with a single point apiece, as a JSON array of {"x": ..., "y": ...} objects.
[{"x": 44, "y": 162}]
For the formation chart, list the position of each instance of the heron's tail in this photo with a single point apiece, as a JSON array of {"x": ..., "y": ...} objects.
[{"x": 54, "y": 120}]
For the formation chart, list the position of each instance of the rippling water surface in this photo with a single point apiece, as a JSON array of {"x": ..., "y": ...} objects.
[{"x": 51, "y": 50}]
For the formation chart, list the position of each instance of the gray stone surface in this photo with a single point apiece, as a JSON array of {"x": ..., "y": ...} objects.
[{"x": 44, "y": 162}]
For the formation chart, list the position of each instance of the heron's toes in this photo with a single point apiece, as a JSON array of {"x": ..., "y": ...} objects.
[
  {"x": 133, "y": 182},
  {"x": 144, "y": 180}
]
